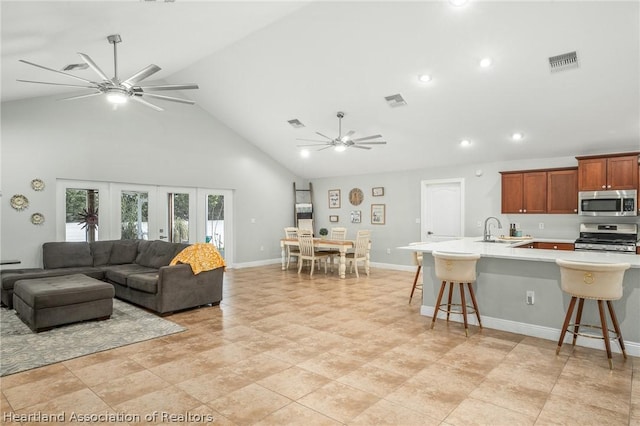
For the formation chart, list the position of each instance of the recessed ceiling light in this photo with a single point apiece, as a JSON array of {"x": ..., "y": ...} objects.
[
  {"x": 485, "y": 62},
  {"x": 465, "y": 142},
  {"x": 425, "y": 78},
  {"x": 304, "y": 153},
  {"x": 458, "y": 3},
  {"x": 517, "y": 136}
]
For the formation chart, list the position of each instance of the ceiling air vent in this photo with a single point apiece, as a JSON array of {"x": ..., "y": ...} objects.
[
  {"x": 295, "y": 123},
  {"x": 395, "y": 100},
  {"x": 563, "y": 62},
  {"x": 72, "y": 67}
]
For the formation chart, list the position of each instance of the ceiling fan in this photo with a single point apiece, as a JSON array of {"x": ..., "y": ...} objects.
[
  {"x": 343, "y": 142},
  {"x": 117, "y": 91}
]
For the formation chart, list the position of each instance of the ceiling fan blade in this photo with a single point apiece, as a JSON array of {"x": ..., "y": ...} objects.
[
  {"x": 59, "y": 72},
  {"x": 326, "y": 147},
  {"x": 57, "y": 84},
  {"x": 310, "y": 140},
  {"x": 373, "y": 143},
  {"x": 141, "y": 75},
  {"x": 324, "y": 136},
  {"x": 367, "y": 137},
  {"x": 168, "y": 98},
  {"x": 349, "y": 133},
  {"x": 313, "y": 144},
  {"x": 143, "y": 102},
  {"x": 170, "y": 87},
  {"x": 81, "y": 96},
  {"x": 360, "y": 147},
  {"x": 94, "y": 67}
]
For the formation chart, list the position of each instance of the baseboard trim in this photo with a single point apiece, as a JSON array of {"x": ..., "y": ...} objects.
[
  {"x": 548, "y": 333},
  {"x": 253, "y": 264}
]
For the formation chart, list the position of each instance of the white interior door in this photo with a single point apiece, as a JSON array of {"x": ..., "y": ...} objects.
[{"x": 442, "y": 209}]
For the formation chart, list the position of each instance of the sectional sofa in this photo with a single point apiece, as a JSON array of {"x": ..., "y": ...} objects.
[{"x": 138, "y": 270}]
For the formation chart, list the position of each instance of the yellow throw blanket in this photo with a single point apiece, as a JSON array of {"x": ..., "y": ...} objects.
[{"x": 201, "y": 257}]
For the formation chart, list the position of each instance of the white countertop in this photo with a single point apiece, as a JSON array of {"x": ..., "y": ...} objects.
[{"x": 508, "y": 250}]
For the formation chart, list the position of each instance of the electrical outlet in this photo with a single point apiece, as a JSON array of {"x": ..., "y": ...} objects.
[
  {"x": 253, "y": 220},
  {"x": 541, "y": 225},
  {"x": 388, "y": 251},
  {"x": 261, "y": 248},
  {"x": 417, "y": 220},
  {"x": 530, "y": 297}
]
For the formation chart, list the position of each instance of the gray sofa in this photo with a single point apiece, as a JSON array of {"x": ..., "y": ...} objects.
[{"x": 138, "y": 270}]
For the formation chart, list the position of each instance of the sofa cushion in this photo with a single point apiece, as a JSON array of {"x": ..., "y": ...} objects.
[
  {"x": 66, "y": 255},
  {"x": 123, "y": 251},
  {"x": 9, "y": 279},
  {"x": 119, "y": 273},
  {"x": 157, "y": 254},
  {"x": 101, "y": 251},
  {"x": 147, "y": 282}
]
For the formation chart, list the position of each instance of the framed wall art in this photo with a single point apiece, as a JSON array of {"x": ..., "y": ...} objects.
[
  {"x": 377, "y": 191},
  {"x": 356, "y": 216},
  {"x": 333, "y": 218},
  {"x": 378, "y": 214},
  {"x": 334, "y": 198}
]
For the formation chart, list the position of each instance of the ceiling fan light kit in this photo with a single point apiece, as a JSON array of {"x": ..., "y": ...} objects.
[
  {"x": 115, "y": 90},
  {"x": 342, "y": 142}
]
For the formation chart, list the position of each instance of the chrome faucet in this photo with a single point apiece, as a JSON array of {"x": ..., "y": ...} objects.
[{"x": 487, "y": 231}]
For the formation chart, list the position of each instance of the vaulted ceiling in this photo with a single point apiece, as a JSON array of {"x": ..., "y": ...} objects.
[{"x": 260, "y": 64}]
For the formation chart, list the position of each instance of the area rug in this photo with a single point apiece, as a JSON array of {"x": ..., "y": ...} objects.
[{"x": 21, "y": 349}]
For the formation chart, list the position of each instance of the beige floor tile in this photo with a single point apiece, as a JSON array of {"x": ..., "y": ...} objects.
[
  {"x": 294, "y": 382},
  {"x": 518, "y": 397},
  {"x": 296, "y": 414},
  {"x": 388, "y": 413},
  {"x": 373, "y": 380},
  {"x": 60, "y": 383},
  {"x": 475, "y": 412},
  {"x": 338, "y": 401},
  {"x": 213, "y": 385},
  {"x": 560, "y": 410},
  {"x": 34, "y": 375},
  {"x": 249, "y": 404},
  {"x": 258, "y": 367},
  {"x": 101, "y": 372},
  {"x": 331, "y": 365},
  {"x": 170, "y": 400},
  {"x": 129, "y": 387}
]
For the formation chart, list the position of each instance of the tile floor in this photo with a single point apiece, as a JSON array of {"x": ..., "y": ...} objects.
[{"x": 288, "y": 349}]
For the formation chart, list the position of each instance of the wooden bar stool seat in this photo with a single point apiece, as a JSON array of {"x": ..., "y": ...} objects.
[
  {"x": 597, "y": 281},
  {"x": 456, "y": 268}
]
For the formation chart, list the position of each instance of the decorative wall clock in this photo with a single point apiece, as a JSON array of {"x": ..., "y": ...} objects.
[
  {"x": 19, "y": 202},
  {"x": 356, "y": 196}
]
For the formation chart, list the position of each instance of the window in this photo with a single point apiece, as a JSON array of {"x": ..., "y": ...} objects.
[
  {"x": 215, "y": 221},
  {"x": 81, "y": 214},
  {"x": 134, "y": 215}
]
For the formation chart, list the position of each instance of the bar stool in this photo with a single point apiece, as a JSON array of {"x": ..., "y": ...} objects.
[
  {"x": 417, "y": 260},
  {"x": 596, "y": 281},
  {"x": 456, "y": 268}
]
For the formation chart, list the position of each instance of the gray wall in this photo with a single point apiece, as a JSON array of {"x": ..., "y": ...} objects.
[
  {"x": 402, "y": 199},
  {"x": 182, "y": 146}
]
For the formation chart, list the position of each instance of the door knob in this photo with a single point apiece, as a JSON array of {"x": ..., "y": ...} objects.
[
  {"x": 429, "y": 233},
  {"x": 162, "y": 237}
]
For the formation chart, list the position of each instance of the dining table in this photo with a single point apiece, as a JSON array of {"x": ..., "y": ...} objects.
[{"x": 341, "y": 245}]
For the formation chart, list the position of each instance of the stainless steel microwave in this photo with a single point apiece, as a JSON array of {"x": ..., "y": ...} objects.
[{"x": 608, "y": 203}]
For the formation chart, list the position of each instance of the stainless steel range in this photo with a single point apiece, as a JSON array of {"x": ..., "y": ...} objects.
[{"x": 621, "y": 238}]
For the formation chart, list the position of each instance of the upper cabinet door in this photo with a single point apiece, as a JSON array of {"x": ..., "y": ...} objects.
[
  {"x": 608, "y": 173},
  {"x": 562, "y": 191},
  {"x": 512, "y": 194},
  {"x": 622, "y": 172},
  {"x": 534, "y": 192}
]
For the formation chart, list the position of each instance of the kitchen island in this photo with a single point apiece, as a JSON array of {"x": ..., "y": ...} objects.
[{"x": 507, "y": 272}]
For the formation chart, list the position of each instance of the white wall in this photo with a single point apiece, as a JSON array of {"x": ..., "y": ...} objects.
[{"x": 182, "y": 146}]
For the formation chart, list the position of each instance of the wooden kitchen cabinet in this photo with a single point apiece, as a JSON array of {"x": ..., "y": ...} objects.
[
  {"x": 524, "y": 192},
  {"x": 548, "y": 246},
  {"x": 562, "y": 191},
  {"x": 608, "y": 172}
]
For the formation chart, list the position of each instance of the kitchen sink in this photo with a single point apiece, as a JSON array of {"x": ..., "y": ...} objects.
[{"x": 495, "y": 241}]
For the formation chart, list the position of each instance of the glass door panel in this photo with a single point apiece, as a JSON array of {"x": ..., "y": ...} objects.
[
  {"x": 177, "y": 216},
  {"x": 215, "y": 222},
  {"x": 134, "y": 215}
]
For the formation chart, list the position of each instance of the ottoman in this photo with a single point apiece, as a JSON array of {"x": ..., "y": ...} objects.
[{"x": 43, "y": 303}]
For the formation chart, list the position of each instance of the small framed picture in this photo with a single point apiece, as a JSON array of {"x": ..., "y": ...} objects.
[
  {"x": 356, "y": 216},
  {"x": 334, "y": 198},
  {"x": 377, "y": 191},
  {"x": 333, "y": 218},
  {"x": 377, "y": 214}
]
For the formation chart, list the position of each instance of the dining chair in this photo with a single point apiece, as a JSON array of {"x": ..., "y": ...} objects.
[
  {"x": 361, "y": 250},
  {"x": 291, "y": 232},
  {"x": 335, "y": 234},
  {"x": 307, "y": 252}
]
